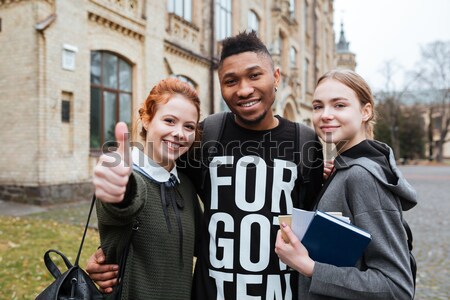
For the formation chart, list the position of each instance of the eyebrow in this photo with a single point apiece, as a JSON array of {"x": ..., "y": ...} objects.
[
  {"x": 175, "y": 117},
  {"x": 333, "y": 99},
  {"x": 248, "y": 69}
]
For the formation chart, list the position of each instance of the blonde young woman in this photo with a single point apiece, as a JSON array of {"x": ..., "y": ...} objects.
[
  {"x": 365, "y": 186},
  {"x": 142, "y": 187}
]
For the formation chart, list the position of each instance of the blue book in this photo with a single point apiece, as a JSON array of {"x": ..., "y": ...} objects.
[{"x": 334, "y": 241}]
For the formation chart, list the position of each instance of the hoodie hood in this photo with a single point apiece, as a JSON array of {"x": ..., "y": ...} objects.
[{"x": 378, "y": 159}]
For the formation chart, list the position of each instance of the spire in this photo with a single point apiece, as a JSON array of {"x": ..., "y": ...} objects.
[{"x": 342, "y": 45}]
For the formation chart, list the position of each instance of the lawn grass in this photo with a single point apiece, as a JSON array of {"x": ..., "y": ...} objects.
[{"x": 23, "y": 242}]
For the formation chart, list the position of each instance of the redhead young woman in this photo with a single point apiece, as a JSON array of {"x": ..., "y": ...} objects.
[
  {"x": 365, "y": 186},
  {"x": 142, "y": 188}
]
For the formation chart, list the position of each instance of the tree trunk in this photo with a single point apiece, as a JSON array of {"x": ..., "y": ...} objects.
[{"x": 430, "y": 134}]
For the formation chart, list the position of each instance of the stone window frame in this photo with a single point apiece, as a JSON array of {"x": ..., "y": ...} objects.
[
  {"x": 292, "y": 8},
  {"x": 292, "y": 57},
  {"x": 224, "y": 19},
  {"x": 186, "y": 79},
  {"x": 181, "y": 8},
  {"x": 254, "y": 21},
  {"x": 123, "y": 101}
]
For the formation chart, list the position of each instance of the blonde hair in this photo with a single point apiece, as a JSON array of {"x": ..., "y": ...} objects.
[{"x": 361, "y": 89}]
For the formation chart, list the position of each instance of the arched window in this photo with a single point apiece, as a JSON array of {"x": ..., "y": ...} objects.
[
  {"x": 111, "y": 94},
  {"x": 306, "y": 74},
  {"x": 182, "y": 8},
  {"x": 186, "y": 79},
  {"x": 223, "y": 19},
  {"x": 293, "y": 57},
  {"x": 292, "y": 7},
  {"x": 253, "y": 21}
]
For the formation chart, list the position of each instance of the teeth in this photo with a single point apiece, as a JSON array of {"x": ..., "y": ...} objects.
[
  {"x": 249, "y": 104},
  {"x": 173, "y": 145}
]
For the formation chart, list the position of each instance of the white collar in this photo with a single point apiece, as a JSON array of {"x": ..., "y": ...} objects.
[{"x": 150, "y": 167}]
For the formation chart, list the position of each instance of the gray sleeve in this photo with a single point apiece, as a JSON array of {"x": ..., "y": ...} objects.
[{"x": 384, "y": 271}]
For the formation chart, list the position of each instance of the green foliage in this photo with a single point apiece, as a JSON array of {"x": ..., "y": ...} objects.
[
  {"x": 382, "y": 128},
  {"x": 23, "y": 242},
  {"x": 406, "y": 124},
  {"x": 411, "y": 133}
]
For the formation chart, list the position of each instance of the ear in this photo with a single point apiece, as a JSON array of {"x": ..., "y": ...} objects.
[
  {"x": 367, "y": 112},
  {"x": 144, "y": 124},
  {"x": 277, "y": 76}
]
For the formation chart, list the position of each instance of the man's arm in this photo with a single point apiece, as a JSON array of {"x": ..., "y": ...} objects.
[{"x": 104, "y": 275}]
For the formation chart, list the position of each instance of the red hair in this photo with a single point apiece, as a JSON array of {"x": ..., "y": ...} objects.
[{"x": 161, "y": 94}]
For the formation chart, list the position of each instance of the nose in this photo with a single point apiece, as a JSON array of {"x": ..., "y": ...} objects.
[
  {"x": 245, "y": 90},
  {"x": 327, "y": 114},
  {"x": 180, "y": 133}
]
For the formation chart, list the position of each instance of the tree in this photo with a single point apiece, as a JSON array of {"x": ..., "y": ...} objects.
[
  {"x": 390, "y": 108},
  {"x": 412, "y": 132},
  {"x": 409, "y": 132},
  {"x": 434, "y": 74}
]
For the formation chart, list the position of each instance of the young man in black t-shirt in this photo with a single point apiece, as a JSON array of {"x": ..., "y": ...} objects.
[{"x": 253, "y": 177}]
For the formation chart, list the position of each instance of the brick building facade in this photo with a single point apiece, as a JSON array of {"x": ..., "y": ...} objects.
[{"x": 71, "y": 69}]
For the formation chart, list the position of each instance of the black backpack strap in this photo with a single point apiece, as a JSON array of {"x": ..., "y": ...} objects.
[
  {"x": 305, "y": 135},
  {"x": 408, "y": 234},
  {"x": 412, "y": 259},
  {"x": 51, "y": 266},
  {"x": 212, "y": 131},
  {"x": 409, "y": 237}
]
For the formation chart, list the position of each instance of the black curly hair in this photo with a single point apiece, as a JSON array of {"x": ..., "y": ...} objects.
[{"x": 243, "y": 42}]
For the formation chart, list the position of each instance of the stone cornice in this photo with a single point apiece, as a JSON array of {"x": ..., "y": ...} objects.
[
  {"x": 115, "y": 26},
  {"x": 6, "y": 2},
  {"x": 173, "y": 48}
]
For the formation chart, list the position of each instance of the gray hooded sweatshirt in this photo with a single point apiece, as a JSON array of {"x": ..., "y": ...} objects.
[{"x": 368, "y": 188}]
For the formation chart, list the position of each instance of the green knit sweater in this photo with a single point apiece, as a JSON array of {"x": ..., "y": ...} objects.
[{"x": 157, "y": 268}]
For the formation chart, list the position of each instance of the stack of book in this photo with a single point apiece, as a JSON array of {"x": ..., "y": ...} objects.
[{"x": 329, "y": 237}]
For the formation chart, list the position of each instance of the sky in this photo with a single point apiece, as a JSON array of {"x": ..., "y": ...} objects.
[{"x": 390, "y": 30}]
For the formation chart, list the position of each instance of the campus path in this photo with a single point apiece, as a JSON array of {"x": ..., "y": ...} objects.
[
  {"x": 430, "y": 226},
  {"x": 428, "y": 221}
]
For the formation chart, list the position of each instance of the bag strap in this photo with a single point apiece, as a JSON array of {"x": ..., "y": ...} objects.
[
  {"x": 412, "y": 259},
  {"x": 213, "y": 127},
  {"x": 51, "y": 266},
  {"x": 54, "y": 270},
  {"x": 408, "y": 234},
  {"x": 85, "y": 230},
  {"x": 123, "y": 259},
  {"x": 305, "y": 135}
]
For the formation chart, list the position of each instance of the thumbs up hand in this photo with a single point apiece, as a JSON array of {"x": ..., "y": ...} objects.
[{"x": 113, "y": 170}]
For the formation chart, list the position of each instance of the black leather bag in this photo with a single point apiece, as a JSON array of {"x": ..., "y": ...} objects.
[{"x": 74, "y": 284}]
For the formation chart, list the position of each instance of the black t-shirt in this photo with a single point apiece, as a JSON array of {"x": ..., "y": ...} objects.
[{"x": 252, "y": 178}]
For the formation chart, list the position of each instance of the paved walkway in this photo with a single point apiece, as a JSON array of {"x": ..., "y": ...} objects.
[
  {"x": 429, "y": 221},
  {"x": 8, "y": 208}
]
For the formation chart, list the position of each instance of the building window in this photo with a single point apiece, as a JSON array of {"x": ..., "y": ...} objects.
[
  {"x": 306, "y": 74},
  {"x": 111, "y": 94},
  {"x": 305, "y": 16},
  {"x": 283, "y": 51},
  {"x": 186, "y": 79},
  {"x": 253, "y": 21},
  {"x": 292, "y": 7},
  {"x": 182, "y": 8},
  {"x": 223, "y": 19},
  {"x": 293, "y": 57}
]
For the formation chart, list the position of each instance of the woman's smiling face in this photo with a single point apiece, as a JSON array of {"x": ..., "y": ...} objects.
[
  {"x": 338, "y": 116},
  {"x": 171, "y": 131}
]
